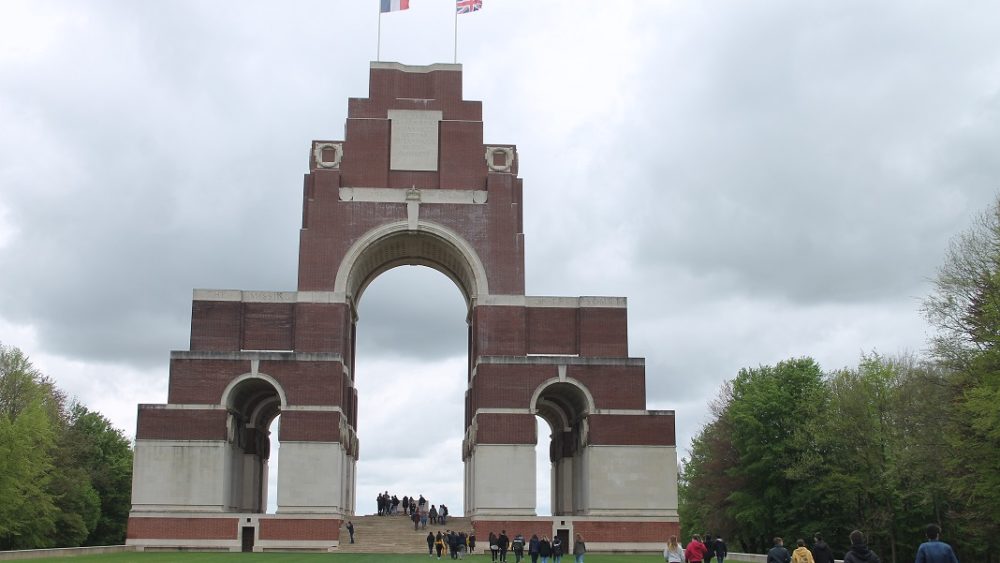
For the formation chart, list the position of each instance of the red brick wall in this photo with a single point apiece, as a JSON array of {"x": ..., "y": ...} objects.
[
  {"x": 310, "y": 426},
  {"x": 552, "y": 330},
  {"x": 316, "y": 529},
  {"x": 613, "y": 386},
  {"x": 462, "y": 161},
  {"x": 505, "y": 429},
  {"x": 202, "y": 381},
  {"x": 366, "y": 153},
  {"x": 513, "y": 527},
  {"x": 268, "y": 326},
  {"x": 320, "y": 327},
  {"x": 508, "y": 386},
  {"x": 625, "y": 531},
  {"x": 148, "y": 528},
  {"x": 215, "y": 326},
  {"x": 604, "y": 332},
  {"x": 632, "y": 430},
  {"x": 180, "y": 424},
  {"x": 499, "y": 331},
  {"x": 308, "y": 383}
]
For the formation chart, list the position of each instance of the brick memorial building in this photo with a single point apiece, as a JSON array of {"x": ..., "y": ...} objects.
[{"x": 412, "y": 183}]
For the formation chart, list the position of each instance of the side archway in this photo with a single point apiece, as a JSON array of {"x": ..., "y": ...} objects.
[
  {"x": 252, "y": 402},
  {"x": 565, "y": 404}
]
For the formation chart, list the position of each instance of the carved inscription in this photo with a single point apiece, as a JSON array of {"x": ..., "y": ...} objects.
[{"x": 414, "y": 139}]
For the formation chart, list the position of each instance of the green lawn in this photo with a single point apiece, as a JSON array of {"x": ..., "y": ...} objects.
[{"x": 189, "y": 557}]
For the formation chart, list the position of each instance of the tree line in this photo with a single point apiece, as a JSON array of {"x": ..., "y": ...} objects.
[
  {"x": 886, "y": 446},
  {"x": 65, "y": 471}
]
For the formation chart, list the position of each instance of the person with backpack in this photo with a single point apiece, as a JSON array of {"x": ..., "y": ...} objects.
[
  {"x": 544, "y": 549},
  {"x": 557, "y": 549},
  {"x": 517, "y": 546}
]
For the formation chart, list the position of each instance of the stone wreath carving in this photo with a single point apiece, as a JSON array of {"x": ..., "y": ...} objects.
[
  {"x": 508, "y": 158},
  {"x": 338, "y": 153}
]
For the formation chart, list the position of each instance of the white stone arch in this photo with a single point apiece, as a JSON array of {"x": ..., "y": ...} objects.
[
  {"x": 228, "y": 391},
  {"x": 533, "y": 404},
  {"x": 396, "y": 244}
]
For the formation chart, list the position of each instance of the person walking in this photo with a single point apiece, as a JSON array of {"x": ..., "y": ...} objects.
[
  {"x": 430, "y": 544},
  {"x": 350, "y": 530},
  {"x": 517, "y": 546},
  {"x": 533, "y": 548},
  {"x": 494, "y": 548},
  {"x": 934, "y": 550},
  {"x": 503, "y": 542},
  {"x": 579, "y": 549},
  {"x": 820, "y": 550},
  {"x": 673, "y": 552},
  {"x": 557, "y": 549},
  {"x": 721, "y": 550},
  {"x": 695, "y": 551},
  {"x": 859, "y": 552},
  {"x": 778, "y": 553},
  {"x": 439, "y": 543},
  {"x": 544, "y": 549},
  {"x": 709, "y": 548},
  {"x": 802, "y": 553}
]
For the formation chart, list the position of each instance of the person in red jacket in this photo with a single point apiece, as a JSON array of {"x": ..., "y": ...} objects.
[{"x": 695, "y": 550}]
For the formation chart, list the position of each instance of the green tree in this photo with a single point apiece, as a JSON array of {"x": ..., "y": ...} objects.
[
  {"x": 771, "y": 416},
  {"x": 65, "y": 474},
  {"x": 965, "y": 308},
  {"x": 104, "y": 454},
  {"x": 28, "y": 409},
  {"x": 707, "y": 479}
]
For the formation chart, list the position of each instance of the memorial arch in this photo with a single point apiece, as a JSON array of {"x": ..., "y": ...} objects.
[{"x": 412, "y": 182}]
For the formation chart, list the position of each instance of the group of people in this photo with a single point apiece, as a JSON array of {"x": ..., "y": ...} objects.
[
  {"x": 416, "y": 508},
  {"x": 457, "y": 543},
  {"x": 931, "y": 551},
  {"x": 697, "y": 551},
  {"x": 389, "y": 505},
  {"x": 501, "y": 545}
]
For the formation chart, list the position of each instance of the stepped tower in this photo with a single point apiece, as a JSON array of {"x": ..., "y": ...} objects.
[{"x": 411, "y": 183}]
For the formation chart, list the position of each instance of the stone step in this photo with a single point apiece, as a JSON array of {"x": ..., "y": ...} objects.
[{"x": 393, "y": 534}]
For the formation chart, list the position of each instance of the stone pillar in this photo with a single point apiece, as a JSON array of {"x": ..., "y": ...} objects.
[
  {"x": 310, "y": 478},
  {"x": 502, "y": 480}
]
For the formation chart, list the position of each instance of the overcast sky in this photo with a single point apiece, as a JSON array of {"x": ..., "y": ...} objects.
[{"x": 761, "y": 180}]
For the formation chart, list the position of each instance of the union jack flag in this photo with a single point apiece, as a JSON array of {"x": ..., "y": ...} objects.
[{"x": 468, "y": 6}]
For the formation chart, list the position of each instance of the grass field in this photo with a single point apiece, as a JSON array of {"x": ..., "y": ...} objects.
[{"x": 189, "y": 557}]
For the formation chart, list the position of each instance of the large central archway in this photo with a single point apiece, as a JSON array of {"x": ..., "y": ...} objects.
[{"x": 411, "y": 375}]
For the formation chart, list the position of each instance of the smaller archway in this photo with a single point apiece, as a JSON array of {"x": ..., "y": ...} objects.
[
  {"x": 564, "y": 404},
  {"x": 252, "y": 403}
]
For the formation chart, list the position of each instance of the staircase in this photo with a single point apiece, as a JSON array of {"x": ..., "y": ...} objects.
[{"x": 394, "y": 534}]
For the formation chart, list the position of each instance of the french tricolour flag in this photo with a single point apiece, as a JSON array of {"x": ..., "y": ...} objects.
[{"x": 394, "y": 5}]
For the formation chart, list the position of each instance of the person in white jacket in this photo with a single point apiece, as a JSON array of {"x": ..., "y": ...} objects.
[{"x": 673, "y": 552}]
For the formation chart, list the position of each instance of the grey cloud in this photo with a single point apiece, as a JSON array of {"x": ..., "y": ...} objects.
[{"x": 412, "y": 312}]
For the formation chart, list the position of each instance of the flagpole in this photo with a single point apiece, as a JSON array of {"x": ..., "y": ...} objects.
[
  {"x": 378, "y": 43},
  {"x": 455, "y": 61}
]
